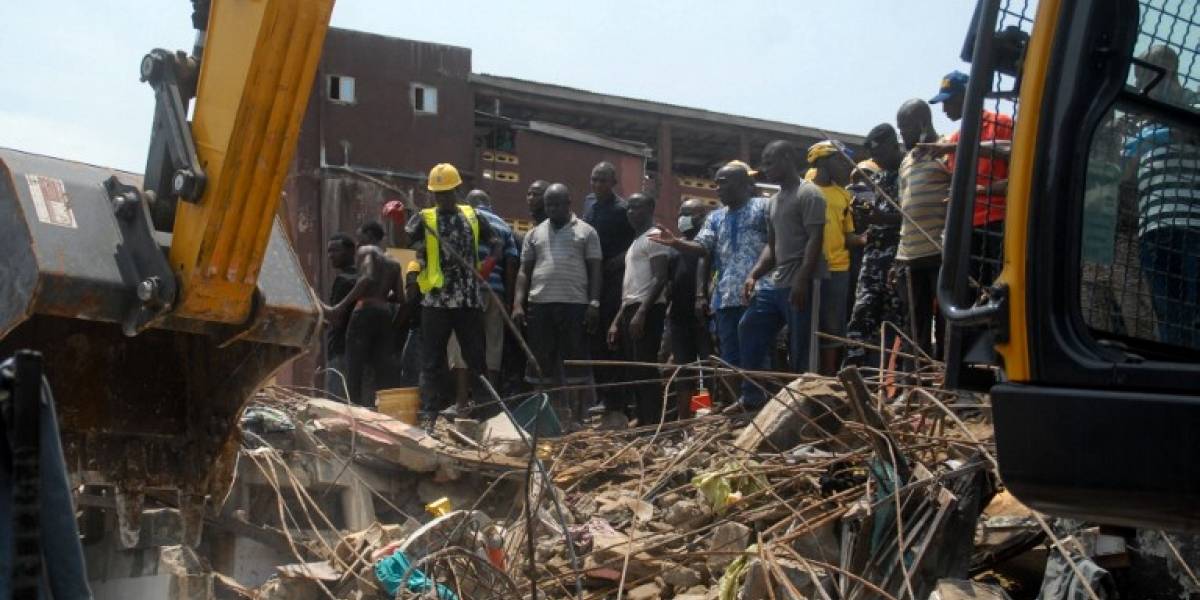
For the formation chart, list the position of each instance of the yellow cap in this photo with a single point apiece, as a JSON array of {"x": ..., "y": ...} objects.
[
  {"x": 443, "y": 177},
  {"x": 820, "y": 150},
  {"x": 741, "y": 165}
]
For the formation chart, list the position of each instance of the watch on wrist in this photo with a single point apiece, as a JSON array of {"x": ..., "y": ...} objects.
[{"x": 594, "y": 304}]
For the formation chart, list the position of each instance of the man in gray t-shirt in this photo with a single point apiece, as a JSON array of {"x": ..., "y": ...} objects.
[{"x": 793, "y": 264}]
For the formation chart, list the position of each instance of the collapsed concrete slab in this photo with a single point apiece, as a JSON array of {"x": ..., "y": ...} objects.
[{"x": 804, "y": 411}]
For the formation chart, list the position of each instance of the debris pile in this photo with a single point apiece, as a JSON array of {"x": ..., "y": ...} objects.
[{"x": 828, "y": 492}]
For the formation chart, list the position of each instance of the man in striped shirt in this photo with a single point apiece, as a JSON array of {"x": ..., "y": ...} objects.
[
  {"x": 1168, "y": 170},
  {"x": 924, "y": 188},
  {"x": 560, "y": 270}
]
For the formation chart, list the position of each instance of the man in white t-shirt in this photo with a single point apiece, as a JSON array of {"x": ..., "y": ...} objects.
[{"x": 637, "y": 329}]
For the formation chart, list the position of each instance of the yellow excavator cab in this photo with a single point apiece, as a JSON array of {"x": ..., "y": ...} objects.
[
  {"x": 162, "y": 303},
  {"x": 1076, "y": 310}
]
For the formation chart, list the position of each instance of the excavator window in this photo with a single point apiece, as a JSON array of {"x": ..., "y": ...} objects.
[
  {"x": 1014, "y": 20},
  {"x": 1096, "y": 317},
  {"x": 1140, "y": 242}
]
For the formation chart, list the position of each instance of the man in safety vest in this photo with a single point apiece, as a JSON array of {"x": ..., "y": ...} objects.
[{"x": 447, "y": 238}]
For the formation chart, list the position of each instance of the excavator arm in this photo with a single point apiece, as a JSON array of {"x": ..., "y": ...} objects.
[{"x": 161, "y": 304}]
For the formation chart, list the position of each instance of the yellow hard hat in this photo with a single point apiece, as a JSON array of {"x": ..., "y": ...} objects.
[
  {"x": 443, "y": 177},
  {"x": 820, "y": 150}
]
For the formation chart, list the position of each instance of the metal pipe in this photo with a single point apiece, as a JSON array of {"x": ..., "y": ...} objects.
[{"x": 952, "y": 283}]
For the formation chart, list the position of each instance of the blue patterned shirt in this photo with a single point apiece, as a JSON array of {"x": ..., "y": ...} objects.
[
  {"x": 496, "y": 279},
  {"x": 734, "y": 240}
]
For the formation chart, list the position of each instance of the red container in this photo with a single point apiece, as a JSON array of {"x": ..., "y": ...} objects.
[{"x": 701, "y": 400}]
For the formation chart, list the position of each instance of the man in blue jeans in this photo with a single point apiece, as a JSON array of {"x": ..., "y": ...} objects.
[
  {"x": 793, "y": 263},
  {"x": 730, "y": 242}
]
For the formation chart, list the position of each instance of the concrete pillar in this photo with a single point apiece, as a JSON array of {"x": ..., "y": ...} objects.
[
  {"x": 668, "y": 190},
  {"x": 359, "y": 507}
]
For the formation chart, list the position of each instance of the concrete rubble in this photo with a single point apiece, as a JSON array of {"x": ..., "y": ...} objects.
[{"x": 826, "y": 493}]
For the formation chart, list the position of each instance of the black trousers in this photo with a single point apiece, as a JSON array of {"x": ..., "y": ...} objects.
[
  {"x": 614, "y": 398},
  {"x": 648, "y": 397},
  {"x": 370, "y": 343},
  {"x": 920, "y": 292},
  {"x": 436, "y": 326}
]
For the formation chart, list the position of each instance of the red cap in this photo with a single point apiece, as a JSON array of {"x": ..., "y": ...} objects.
[{"x": 394, "y": 211}]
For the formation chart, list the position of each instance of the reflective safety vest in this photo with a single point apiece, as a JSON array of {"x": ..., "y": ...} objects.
[{"x": 431, "y": 277}]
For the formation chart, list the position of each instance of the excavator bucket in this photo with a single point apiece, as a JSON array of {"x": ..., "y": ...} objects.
[{"x": 146, "y": 399}]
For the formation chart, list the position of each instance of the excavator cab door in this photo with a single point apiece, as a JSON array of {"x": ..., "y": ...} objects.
[{"x": 1095, "y": 317}]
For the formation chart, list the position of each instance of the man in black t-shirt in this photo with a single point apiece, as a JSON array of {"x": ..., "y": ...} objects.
[
  {"x": 690, "y": 340},
  {"x": 606, "y": 212}
]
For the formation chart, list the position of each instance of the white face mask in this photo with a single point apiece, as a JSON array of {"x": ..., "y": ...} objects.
[{"x": 685, "y": 224}]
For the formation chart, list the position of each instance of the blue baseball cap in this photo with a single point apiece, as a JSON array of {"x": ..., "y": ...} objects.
[{"x": 953, "y": 84}]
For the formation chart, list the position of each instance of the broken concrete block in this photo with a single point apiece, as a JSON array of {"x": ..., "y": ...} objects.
[
  {"x": 290, "y": 588},
  {"x": 804, "y": 411},
  {"x": 680, "y": 577},
  {"x": 687, "y": 514},
  {"x": 614, "y": 420},
  {"x": 820, "y": 544},
  {"x": 759, "y": 577},
  {"x": 729, "y": 539},
  {"x": 501, "y": 436},
  {"x": 160, "y": 527},
  {"x": 191, "y": 577},
  {"x": 609, "y": 550},
  {"x": 375, "y": 435},
  {"x": 469, "y": 427},
  {"x": 646, "y": 591}
]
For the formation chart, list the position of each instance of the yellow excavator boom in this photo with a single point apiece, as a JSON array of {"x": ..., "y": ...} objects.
[{"x": 258, "y": 68}]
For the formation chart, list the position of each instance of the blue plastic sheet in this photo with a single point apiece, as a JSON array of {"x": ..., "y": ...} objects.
[{"x": 396, "y": 570}]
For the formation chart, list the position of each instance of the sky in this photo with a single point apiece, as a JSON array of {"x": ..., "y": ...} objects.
[{"x": 71, "y": 84}]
